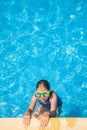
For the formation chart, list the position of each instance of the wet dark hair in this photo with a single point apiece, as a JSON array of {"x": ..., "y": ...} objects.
[{"x": 44, "y": 82}]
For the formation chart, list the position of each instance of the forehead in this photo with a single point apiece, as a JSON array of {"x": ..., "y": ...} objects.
[{"x": 41, "y": 88}]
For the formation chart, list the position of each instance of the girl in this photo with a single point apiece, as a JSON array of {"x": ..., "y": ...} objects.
[{"x": 49, "y": 104}]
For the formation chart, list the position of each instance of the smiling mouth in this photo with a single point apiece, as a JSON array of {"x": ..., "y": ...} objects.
[{"x": 44, "y": 100}]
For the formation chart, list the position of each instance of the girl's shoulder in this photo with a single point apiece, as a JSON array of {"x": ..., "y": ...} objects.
[{"x": 52, "y": 94}]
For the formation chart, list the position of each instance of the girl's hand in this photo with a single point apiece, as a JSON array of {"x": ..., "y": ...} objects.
[
  {"x": 44, "y": 119},
  {"x": 26, "y": 120}
]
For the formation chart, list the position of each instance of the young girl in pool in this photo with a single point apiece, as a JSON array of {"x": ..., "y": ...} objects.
[{"x": 49, "y": 104}]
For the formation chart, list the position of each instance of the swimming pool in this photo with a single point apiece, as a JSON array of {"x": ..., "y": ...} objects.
[{"x": 43, "y": 39}]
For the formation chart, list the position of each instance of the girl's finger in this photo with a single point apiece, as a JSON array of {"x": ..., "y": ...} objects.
[
  {"x": 39, "y": 117},
  {"x": 42, "y": 123}
]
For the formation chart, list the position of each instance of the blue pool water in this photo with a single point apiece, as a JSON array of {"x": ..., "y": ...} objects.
[{"x": 43, "y": 39}]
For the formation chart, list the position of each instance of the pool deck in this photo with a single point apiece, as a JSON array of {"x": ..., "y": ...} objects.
[{"x": 54, "y": 124}]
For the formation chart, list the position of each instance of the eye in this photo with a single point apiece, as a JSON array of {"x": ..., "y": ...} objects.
[
  {"x": 46, "y": 94},
  {"x": 38, "y": 95}
]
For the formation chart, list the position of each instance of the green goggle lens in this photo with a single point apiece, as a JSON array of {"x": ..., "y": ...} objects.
[{"x": 42, "y": 94}]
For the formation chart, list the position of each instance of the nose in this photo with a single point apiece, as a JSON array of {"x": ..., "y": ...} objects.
[{"x": 42, "y": 97}]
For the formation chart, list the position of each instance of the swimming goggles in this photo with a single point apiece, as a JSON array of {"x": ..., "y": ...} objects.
[{"x": 42, "y": 94}]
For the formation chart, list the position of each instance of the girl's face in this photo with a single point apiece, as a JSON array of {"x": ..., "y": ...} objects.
[{"x": 42, "y": 88}]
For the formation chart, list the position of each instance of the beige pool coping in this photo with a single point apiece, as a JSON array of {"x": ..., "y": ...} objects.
[{"x": 54, "y": 124}]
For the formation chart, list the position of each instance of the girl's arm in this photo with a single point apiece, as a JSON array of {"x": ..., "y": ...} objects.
[
  {"x": 53, "y": 101},
  {"x": 32, "y": 105},
  {"x": 27, "y": 117},
  {"x": 52, "y": 113}
]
